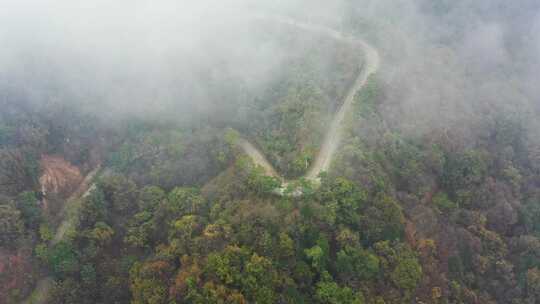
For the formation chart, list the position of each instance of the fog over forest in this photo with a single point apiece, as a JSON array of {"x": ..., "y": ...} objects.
[
  {"x": 136, "y": 56},
  {"x": 270, "y": 151}
]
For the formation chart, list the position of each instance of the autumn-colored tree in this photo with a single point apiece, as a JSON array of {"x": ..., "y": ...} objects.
[{"x": 149, "y": 282}]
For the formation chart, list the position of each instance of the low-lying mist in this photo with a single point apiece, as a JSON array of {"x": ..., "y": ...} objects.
[
  {"x": 444, "y": 62},
  {"x": 450, "y": 64},
  {"x": 416, "y": 179},
  {"x": 126, "y": 57}
]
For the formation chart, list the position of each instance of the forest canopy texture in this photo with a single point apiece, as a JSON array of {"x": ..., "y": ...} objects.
[{"x": 123, "y": 178}]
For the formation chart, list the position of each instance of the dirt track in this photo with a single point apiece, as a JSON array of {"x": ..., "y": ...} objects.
[
  {"x": 322, "y": 161},
  {"x": 44, "y": 285},
  {"x": 257, "y": 157},
  {"x": 333, "y": 136},
  {"x": 83, "y": 190}
]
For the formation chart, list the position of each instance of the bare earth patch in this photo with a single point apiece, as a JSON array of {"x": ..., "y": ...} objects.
[{"x": 59, "y": 176}]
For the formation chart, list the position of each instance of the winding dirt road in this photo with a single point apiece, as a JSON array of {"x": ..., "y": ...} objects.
[
  {"x": 333, "y": 136},
  {"x": 322, "y": 161},
  {"x": 41, "y": 291}
]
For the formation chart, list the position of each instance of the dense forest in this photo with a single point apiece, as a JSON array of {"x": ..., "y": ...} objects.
[{"x": 433, "y": 195}]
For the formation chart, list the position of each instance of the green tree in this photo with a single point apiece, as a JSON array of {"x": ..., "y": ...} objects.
[
  {"x": 150, "y": 197},
  {"x": 231, "y": 136},
  {"x": 530, "y": 216},
  {"x": 329, "y": 292},
  {"x": 399, "y": 264},
  {"x": 141, "y": 228},
  {"x": 462, "y": 171},
  {"x": 89, "y": 278},
  {"x": 185, "y": 201},
  {"x": 260, "y": 183},
  {"x": 227, "y": 265},
  {"x": 366, "y": 99},
  {"x": 357, "y": 263},
  {"x": 407, "y": 273},
  {"x": 318, "y": 254},
  {"x": 181, "y": 233},
  {"x": 11, "y": 225},
  {"x": 443, "y": 203},
  {"x": 19, "y": 170},
  {"x": 27, "y": 203},
  {"x": 93, "y": 209},
  {"x": 121, "y": 192},
  {"x": 285, "y": 245},
  {"x": 347, "y": 198},
  {"x": 62, "y": 259},
  {"x": 259, "y": 280},
  {"x": 45, "y": 233},
  {"x": 383, "y": 220}
]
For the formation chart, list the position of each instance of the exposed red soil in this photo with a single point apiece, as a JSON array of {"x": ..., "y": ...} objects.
[{"x": 59, "y": 176}]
